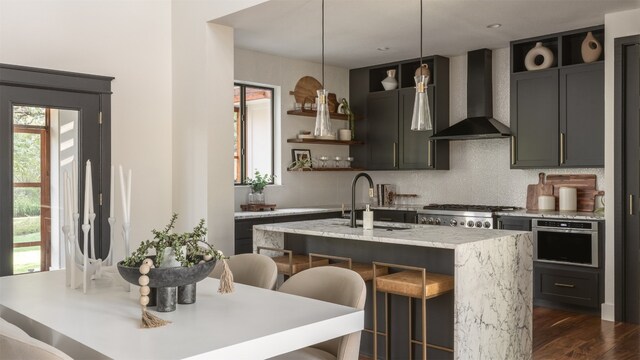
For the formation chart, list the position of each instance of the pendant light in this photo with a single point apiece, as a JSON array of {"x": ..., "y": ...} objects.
[
  {"x": 421, "y": 120},
  {"x": 323, "y": 124}
]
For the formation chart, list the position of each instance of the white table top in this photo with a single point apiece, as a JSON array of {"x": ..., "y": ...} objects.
[{"x": 251, "y": 323}]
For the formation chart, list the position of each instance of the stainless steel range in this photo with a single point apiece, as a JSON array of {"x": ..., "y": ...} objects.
[{"x": 470, "y": 216}]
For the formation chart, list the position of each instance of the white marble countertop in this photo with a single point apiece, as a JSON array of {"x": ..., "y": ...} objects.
[
  {"x": 554, "y": 214},
  {"x": 250, "y": 323},
  {"x": 408, "y": 234},
  {"x": 243, "y": 215}
]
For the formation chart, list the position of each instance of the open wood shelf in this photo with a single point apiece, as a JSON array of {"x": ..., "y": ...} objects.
[
  {"x": 312, "y": 113},
  {"x": 328, "y": 169},
  {"x": 325, "y": 142}
]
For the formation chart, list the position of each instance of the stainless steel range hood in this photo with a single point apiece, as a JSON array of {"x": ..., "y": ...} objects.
[{"x": 480, "y": 123}]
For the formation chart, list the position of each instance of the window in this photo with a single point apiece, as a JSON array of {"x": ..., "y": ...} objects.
[{"x": 253, "y": 111}]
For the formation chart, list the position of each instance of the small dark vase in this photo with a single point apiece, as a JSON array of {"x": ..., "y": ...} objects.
[{"x": 170, "y": 284}]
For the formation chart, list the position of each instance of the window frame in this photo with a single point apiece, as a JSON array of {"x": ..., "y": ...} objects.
[{"x": 242, "y": 153}]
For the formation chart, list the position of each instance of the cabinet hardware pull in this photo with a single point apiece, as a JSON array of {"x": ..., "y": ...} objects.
[
  {"x": 562, "y": 141},
  {"x": 630, "y": 204},
  {"x": 513, "y": 150},
  {"x": 429, "y": 153},
  {"x": 395, "y": 150},
  {"x": 500, "y": 224},
  {"x": 564, "y": 285}
]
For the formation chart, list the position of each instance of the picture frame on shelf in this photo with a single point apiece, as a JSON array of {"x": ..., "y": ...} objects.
[{"x": 301, "y": 158}]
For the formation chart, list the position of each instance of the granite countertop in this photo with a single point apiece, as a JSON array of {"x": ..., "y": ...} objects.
[
  {"x": 408, "y": 234},
  {"x": 241, "y": 215},
  {"x": 554, "y": 214}
]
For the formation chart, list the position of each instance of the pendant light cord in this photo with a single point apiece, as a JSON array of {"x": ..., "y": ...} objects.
[
  {"x": 420, "y": 37},
  {"x": 323, "y": 44}
]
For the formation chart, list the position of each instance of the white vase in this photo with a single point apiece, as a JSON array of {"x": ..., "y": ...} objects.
[
  {"x": 591, "y": 48},
  {"x": 169, "y": 257},
  {"x": 390, "y": 82},
  {"x": 539, "y": 50}
]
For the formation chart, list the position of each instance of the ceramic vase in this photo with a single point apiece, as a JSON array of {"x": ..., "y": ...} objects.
[
  {"x": 390, "y": 82},
  {"x": 547, "y": 58},
  {"x": 591, "y": 48}
]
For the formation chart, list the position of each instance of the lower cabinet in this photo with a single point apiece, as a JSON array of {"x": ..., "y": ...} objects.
[
  {"x": 244, "y": 227},
  {"x": 566, "y": 284},
  {"x": 518, "y": 223}
]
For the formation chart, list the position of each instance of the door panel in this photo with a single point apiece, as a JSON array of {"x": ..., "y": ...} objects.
[
  {"x": 415, "y": 152},
  {"x": 382, "y": 135}
]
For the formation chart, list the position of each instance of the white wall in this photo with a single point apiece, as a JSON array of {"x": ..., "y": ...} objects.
[
  {"x": 616, "y": 25},
  {"x": 128, "y": 40},
  {"x": 296, "y": 188},
  {"x": 202, "y": 75},
  {"x": 479, "y": 169}
]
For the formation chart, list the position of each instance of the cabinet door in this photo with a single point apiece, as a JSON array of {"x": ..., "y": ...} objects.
[
  {"x": 534, "y": 119},
  {"x": 416, "y": 150},
  {"x": 382, "y": 134},
  {"x": 514, "y": 223},
  {"x": 582, "y": 115}
]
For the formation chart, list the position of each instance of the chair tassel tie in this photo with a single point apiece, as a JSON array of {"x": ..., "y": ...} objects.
[{"x": 226, "y": 279}]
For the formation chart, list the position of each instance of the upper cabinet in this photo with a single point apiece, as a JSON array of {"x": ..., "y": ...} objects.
[
  {"x": 557, "y": 109},
  {"x": 390, "y": 144}
]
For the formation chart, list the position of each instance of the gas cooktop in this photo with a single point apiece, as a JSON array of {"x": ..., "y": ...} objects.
[{"x": 473, "y": 208}]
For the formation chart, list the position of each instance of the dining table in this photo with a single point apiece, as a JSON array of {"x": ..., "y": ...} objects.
[{"x": 250, "y": 323}]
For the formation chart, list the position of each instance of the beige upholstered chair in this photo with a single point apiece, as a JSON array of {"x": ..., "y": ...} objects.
[
  {"x": 15, "y": 344},
  {"x": 250, "y": 269},
  {"x": 331, "y": 284}
]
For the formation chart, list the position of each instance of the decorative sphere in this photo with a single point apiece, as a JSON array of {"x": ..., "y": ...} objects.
[
  {"x": 144, "y": 269},
  {"x": 148, "y": 262},
  {"x": 143, "y": 280},
  {"x": 144, "y": 300},
  {"x": 201, "y": 262},
  {"x": 207, "y": 257},
  {"x": 145, "y": 290}
]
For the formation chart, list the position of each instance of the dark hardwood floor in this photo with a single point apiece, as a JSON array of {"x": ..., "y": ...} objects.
[{"x": 561, "y": 335}]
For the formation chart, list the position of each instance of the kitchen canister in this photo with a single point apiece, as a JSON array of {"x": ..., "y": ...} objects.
[
  {"x": 344, "y": 134},
  {"x": 546, "y": 202},
  {"x": 568, "y": 199}
]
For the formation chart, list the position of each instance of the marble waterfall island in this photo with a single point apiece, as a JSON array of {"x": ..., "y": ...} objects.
[{"x": 489, "y": 314}]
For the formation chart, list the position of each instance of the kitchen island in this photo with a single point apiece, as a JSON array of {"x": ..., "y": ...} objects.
[{"x": 488, "y": 316}]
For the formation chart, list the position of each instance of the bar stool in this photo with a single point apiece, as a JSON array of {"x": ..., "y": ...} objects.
[
  {"x": 290, "y": 264},
  {"x": 414, "y": 283},
  {"x": 364, "y": 270}
]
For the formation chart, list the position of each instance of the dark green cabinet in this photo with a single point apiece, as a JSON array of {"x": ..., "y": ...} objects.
[
  {"x": 390, "y": 144},
  {"x": 534, "y": 119},
  {"x": 557, "y": 114},
  {"x": 382, "y": 135},
  {"x": 518, "y": 223},
  {"x": 582, "y": 115},
  {"x": 399, "y": 216}
]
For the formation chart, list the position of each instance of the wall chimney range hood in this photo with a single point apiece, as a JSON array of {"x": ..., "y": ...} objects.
[{"x": 479, "y": 123}]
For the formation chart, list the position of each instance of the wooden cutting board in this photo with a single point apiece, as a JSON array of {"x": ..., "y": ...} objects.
[
  {"x": 535, "y": 190},
  {"x": 306, "y": 89},
  {"x": 585, "y": 185}
]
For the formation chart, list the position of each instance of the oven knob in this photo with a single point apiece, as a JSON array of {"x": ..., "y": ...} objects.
[
  {"x": 479, "y": 224},
  {"x": 453, "y": 222},
  {"x": 438, "y": 221},
  {"x": 487, "y": 224},
  {"x": 430, "y": 221},
  {"x": 469, "y": 223},
  {"x": 423, "y": 220}
]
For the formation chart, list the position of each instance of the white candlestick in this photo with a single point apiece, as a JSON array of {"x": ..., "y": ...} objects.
[
  {"x": 123, "y": 196},
  {"x": 87, "y": 196},
  {"x": 91, "y": 207},
  {"x": 74, "y": 188},
  {"x": 129, "y": 197},
  {"x": 66, "y": 204},
  {"x": 111, "y": 196}
]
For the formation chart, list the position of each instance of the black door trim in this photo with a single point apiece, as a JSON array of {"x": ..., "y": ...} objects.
[
  {"x": 619, "y": 160},
  {"x": 24, "y": 76}
]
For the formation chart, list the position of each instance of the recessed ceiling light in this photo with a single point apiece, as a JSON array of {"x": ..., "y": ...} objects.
[
  {"x": 494, "y": 26},
  {"x": 383, "y": 48}
]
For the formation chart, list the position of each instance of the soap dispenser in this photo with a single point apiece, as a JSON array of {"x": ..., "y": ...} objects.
[{"x": 367, "y": 218}]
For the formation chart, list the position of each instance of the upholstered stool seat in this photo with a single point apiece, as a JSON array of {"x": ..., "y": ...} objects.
[
  {"x": 413, "y": 283},
  {"x": 364, "y": 270},
  {"x": 290, "y": 264}
]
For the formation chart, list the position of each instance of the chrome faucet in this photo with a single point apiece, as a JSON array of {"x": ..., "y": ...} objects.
[{"x": 353, "y": 195}]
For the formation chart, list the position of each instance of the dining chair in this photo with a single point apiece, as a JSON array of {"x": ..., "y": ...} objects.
[
  {"x": 18, "y": 345},
  {"x": 336, "y": 285},
  {"x": 250, "y": 269}
]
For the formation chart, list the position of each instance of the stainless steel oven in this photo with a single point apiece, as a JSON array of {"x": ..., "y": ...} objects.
[{"x": 569, "y": 242}]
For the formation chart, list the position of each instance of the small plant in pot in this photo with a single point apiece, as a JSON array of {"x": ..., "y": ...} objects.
[{"x": 257, "y": 185}]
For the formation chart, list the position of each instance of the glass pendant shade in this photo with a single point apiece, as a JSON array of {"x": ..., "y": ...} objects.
[
  {"x": 323, "y": 124},
  {"x": 421, "y": 120}
]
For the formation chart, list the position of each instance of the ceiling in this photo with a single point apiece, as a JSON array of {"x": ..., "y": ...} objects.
[{"x": 355, "y": 29}]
